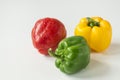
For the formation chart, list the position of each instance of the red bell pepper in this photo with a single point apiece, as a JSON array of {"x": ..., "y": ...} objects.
[{"x": 47, "y": 33}]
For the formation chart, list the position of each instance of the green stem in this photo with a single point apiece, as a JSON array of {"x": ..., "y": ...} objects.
[
  {"x": 92, "y": 22},
  {"x": 51, "y": 53}
]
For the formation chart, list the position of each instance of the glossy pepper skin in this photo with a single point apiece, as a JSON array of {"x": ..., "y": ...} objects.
[
  {"x": 47, "y": 33},
  {"x": 96, "y": 31},
  {"x": 73, "y": 54}
]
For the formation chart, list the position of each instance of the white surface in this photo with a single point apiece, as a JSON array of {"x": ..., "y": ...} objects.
[{"x": 19, "y": 60}]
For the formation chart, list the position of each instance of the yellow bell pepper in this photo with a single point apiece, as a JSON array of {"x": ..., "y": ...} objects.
[{"x": 96, "y": 31}]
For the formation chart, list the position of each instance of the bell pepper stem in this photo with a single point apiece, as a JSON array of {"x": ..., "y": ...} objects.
[
  {"x": 52, "y": 53},
  {"x": 92, "y": 22}
]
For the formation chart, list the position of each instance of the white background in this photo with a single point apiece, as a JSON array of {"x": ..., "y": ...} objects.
[{"x": 19, "y": 60}]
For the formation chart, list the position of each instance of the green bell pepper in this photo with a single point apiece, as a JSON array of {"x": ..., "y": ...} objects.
[{"x": 73, "y": 54}]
